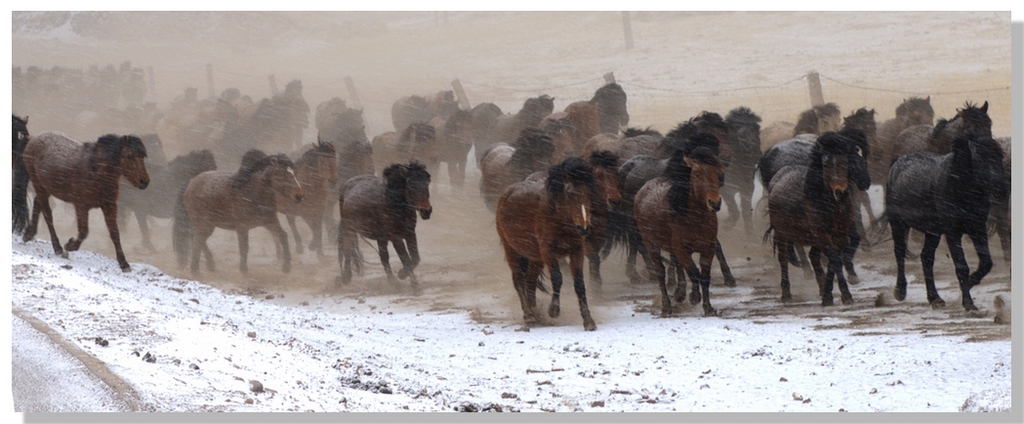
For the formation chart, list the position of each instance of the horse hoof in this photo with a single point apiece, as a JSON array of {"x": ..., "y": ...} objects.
[
  {"x": 417, "y": 291},
  {"x": 827, "y": 301},
  {"x": 900, "y": 292},
  {"x": 786, "y": 298},
  {"x": 847, "y": 300},
  {"x": 589, "y": 325},
  {"x": 939, "y": 303},
  {"x": 694, "y": 297},
  {"x": 554, "y": 310},
  {"x": 710, "y": 312},
  {"x": 126, "y": 268},
  {"x": 853, "y": 279},
  {"x": 403, "y": 274},
  {"x": 730, "y": 281}
]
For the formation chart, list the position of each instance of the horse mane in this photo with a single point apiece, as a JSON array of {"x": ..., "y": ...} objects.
[
  {"x": 532, "y": 145},
  {"x": 111, "y": 146},
  {"x": 573, "y": 170},
  {"x": 250, "y": 158},
  {"x": 915, "y": 103},
  {"x": 742, "y": 115},
  {"x": 244, "y": 175},
  {"x": 707, "y": 121},
  {"x": 702, "y": 147},
  {"x": 396, "y": 179},
  {"x": 610, "y": 91},
  {"x": 808, "y": 121},
  {"x": 863, "y": 119},
  {"x": 636, "y": 132},
  {"x": 309, "y": 156},
  {"x": 604, "y": 159},
  {"x": 968, "y": 149}
]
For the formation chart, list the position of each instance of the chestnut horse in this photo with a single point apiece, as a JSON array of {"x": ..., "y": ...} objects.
[
  {"x": 85, "y": 175},
  {"x": 317, "y": 173},
  {"x": 582, "y": 122},
  {"x": 812, "y": 205},
  {"x": 235, "y": 201},
  {"x": 540, "y": 222},
  {"x": 384, "y": 209},
  {"x": 677, "y": 212}
]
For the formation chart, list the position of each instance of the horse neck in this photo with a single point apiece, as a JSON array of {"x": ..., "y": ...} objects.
[{"x": 258, "y": 189}]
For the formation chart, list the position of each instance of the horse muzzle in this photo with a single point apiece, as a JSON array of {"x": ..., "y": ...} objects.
[
  {"x": 298, "y": 198},
  {"x": 143, "y": 184},
  {"x": 715, "y": 206},
  {"x": 425, "y": 212},
  {"x": 584, "y": 230},
  {"x": 839, "y": 192}
]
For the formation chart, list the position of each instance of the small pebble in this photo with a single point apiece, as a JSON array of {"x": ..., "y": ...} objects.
[
  {"x": 251, "y": 334},
  {"x": 255, "y": 386}
]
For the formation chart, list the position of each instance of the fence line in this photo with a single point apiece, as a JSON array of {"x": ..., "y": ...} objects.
[{"x": 916, "y": 92}]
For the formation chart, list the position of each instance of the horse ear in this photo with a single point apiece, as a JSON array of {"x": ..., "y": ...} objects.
[
  {"x": 984, "y": 107},
  {"x": 928, "y": 99}
]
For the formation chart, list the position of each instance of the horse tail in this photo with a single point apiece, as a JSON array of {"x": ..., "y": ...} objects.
[
  {"x": 617, "y": 231},
  {"x": 20, "y": 194},
  {"x": 768, "y": 237},
  {"x": 181, "y": 230}
]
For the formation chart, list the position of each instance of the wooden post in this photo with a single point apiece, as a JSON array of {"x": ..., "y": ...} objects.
[
  {"x": 209, "y": 81},
  {"x": 463, "y": 100},
  {"x": 814, "y": 84},
  {"x": 627, "y": 28},
  {"x": 609, "y": 78},
  {"x": 152, "y": 83},
  {"x": 352, "y": 94},
  {"x": 273, "y": 85}
]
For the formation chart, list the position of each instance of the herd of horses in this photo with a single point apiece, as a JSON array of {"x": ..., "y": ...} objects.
[{"x": 564, "y": 186}]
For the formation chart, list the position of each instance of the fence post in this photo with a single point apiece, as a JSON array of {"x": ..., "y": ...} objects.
[
  {"x": 814, "y": 84},
  {"x": 463, "y": 100},
  {"x": 273, "y": 84},
  {"x": 627, "y": 28},
  {"x": 352, "y": 94},
  {"x": 151, "y": 81},
  {"x": 609, "y": 78},
  {"x": 209, "y": 81}
]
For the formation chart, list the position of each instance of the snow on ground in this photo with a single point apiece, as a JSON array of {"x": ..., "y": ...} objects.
[{"x": 351, "y": 354}]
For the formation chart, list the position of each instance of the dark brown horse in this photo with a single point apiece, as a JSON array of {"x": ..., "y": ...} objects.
[
  {"x": 812, "y": 206},
  {"x": 818, "y": 120},
  {"x": 158, "y": 199},
  {"x": 744, "y": 139},
  {"x": 937, "y": 140},
  {"x": 418, "y": 142},
  {"x": 317, "y": 173},
  {"x": 454, "y": 141},
  {"x": 85, "y": 175},
  {"x": 946, "y": 195},
  {"x": 506, "y": 128},
  {"x": 504, "y": 165},
  {"x": 236, "y": 201},
  {"x": 582, "y": 121},
  {"x": 677, "y": 212},
  {"x": 540, "y": 222},
  {"x": 384, "y": 209},
  {"x": 611, "y": 108},
  {"x": 484, "y": 116},
  {"x": 411, "y": 109},
  {"x": 19, "y": 138}
]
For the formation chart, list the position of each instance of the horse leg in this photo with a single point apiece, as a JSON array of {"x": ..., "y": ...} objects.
[
  {"x": 705, "y": 279},
  {"x": 635, "y": 246},
  {"x": 576, "y": 264},
  {"x": 295, "y": 233},
  {"x": 850, "y": 249},
  {"x": 530, "y": 281},
  {"x": 675, "y": 274},
  {"x": 555, "y": 308},
  {"x": 199, "y": 235},
  {"x": 793, "y": 258},
  {"x": 656, "y": 273},
  {"x": 407, "y": 266},
  {"x": 110, "y": 216},
  {"x": 862, "y": 200},
  {"x": 147, "y": 243},
  {"x": 781, "y": 248},
  {"x": 1001, "y": 213},
  {"x": 931, "y": 241},
  {"x": 899, "y": 230},
  {"x": 82, "y": 219},
  {"x": 33, "y": 224},
  {"x": 414, "y": 255},
  {"x": 243, "y": 250},
  {"x": 518, "y": 265},
  {"x": 729, "y": 198},
  {"x": 980, "y": 239},
  {"x": 346, "y": 245},
  {"x": 835, "y": 270},
  {"x": 730, "y": 281},
  {"x": 747, "y": 210},
  {"x": 460, "y": 180},
  {"x": 594, "y": 257},
  {"x": 274, "y": 226},
  {"x": 316, "y": 227},
  {"x": 382, "y": 249},
  {"x": 963, "y": 270}
]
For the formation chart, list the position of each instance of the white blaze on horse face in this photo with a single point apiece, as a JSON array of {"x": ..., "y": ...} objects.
[
  {"x": 292, "y": 172},
  {"x": 586, "y": 220}
]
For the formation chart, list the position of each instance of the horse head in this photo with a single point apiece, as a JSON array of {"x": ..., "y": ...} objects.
[
  {"x": 836, "y": 158},
  {"x": 744, "y": 133},
  {"x": 19, "y": 133},
  {"x": 408, "y": 185},
  {"x": 974, "y": 118},
  {"x": 696, "y": 170},
  {"x": 611, "y": 106},
  {"x": 128, "y": 154},
  {"x": 533, "y": 150},
  {"x": 917, "y": 111},
  {"x": 326, "y": 161},
  {"x": 606, "y": 177},
  {"x": 982, "y": 159},
  {"x": 570, "y": 186},
  {"x": 281, "y": 175},
  {"x": 829, "y": 118}
]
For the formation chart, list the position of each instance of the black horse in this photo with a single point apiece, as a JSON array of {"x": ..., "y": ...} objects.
[
  {"x": 19, "y": 139},
  {"x": 946, "y": 195},
  {"x": 158, "y": 199},
  {"x": 611, "y": 108},
  {"x": 745, "y": 140}
]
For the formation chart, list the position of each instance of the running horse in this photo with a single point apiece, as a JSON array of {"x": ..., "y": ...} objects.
[
  {"x": 317, "y": 173},
  {"x": 236, "y": 201},
  {"x": 85, "y": 175},
  {"x": 541, "y": 222}
]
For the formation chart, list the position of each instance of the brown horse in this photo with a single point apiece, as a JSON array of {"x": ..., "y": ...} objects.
[
  {"x": 384, "y": 209},
  {"x": 540, "y": 222},
  {"x": 317, "y": 173},
  {"x": 235, "y": 201},
  {"x": 418, "y": 142},
  {"x": 505, "y": 165},
  {"x": 85, "y": 175},
  {"x": 583, "y": 124},
  {"x": 632, "y": 142},
  {"x": 454, "y": 141},
  {"x": 506, "y": 128},
  {"x": 937, "y": 140},
  {"x": 913, "y": 111},
  {"x": 677, "y": 212},
  {"x": 811, "y": 205}
]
